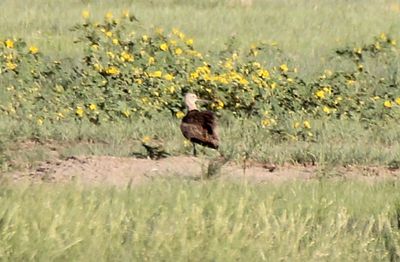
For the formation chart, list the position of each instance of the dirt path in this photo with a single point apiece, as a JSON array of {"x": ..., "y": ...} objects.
[{"x": 123, "y": 171}]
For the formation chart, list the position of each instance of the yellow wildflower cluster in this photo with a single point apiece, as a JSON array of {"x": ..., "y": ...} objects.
[
  {"x": 112, "y": 70},
  {"x": 124, "y": 74}
]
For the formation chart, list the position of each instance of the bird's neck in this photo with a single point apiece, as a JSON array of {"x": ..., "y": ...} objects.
[{"x": 191, "y": 106}]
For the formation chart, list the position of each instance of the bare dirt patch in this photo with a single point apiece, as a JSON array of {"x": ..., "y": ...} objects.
[{"x": 123, "y": 171}]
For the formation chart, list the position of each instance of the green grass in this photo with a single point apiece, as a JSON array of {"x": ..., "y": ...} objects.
[
  {"x": 308, "y": 30},
  {"x": 336, "y": 142},
  {"x": 214, "y": 221}
]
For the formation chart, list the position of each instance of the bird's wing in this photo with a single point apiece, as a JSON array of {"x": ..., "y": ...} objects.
[
  {"x": 197, "y": 134},
  {"x": 201, "y": 128},
  {"x": 209, "y": 122},
  {"x": 192, "y": 130}
]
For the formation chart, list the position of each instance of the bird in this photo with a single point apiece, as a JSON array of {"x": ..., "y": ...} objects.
[
  {"x": 199, "y": 127},
  {"x": 154, "y": 147}
]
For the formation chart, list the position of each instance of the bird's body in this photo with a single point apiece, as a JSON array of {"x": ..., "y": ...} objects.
[{"x": 200, "y": 127}]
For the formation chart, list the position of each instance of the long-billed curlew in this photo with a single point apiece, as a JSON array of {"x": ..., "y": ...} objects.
[{"x": 200, "y": 127}]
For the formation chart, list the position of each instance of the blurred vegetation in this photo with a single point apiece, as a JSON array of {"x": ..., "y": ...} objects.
[{"x": 187, "y": 220}]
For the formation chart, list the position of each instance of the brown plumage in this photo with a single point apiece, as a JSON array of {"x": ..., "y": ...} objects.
[{"x": 200, "y": 127}]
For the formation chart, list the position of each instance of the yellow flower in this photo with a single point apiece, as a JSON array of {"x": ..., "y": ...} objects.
[
  {"x": 168, "y": 77},
  {"x": 79, "y": 111},
  {"x": 265, "y": 122},
  {"x": 327, "y": 89},
  {"x": 92, "y": 107},
  {"x": 10, "y": 65},
  {"x": 326, "y": 109},
  {"x": 145, "y": 38},
  {"x": 164, "y": 47},
  {"x": 60, "y": 115},
  {"x": 358, "y": 50},
  {"x": 263, "y": 73},
  {"x": 171, "y": 89},
  {"x": 112, "y": 70},
  {"x": 9, "y": 43},
  {"x": 243, "y": 81},
  {"x": 284, "y": 68},
  {"x": 273, "y": 85},
  {"x": 186, "y": 143},
  {"x": 146, "y": 139},
  {"x": 115, "y": 41},
  {"x": 126, "y": 57},
  {"x": 109, "y": 33},
  {"x": 387, "y": 104},
  {"x": 98, "y": 67},
  {"x": 268, "y": 122},
  {"x": 178, "y": 51},
  {"x": 126, "y": 113},
  {"x": 351, "y": 82},
  {"x": 108, "y": 16},
  {"x": 228, "y": 64},
  {"x": 180, "y": 114},
  {"x": 219, "y": 104},
  {"x": 296, "y": 125},
  {"x": 383, "y": 36},
  {"x": 175, "y": 31},
  {"x": 125, "y": 13},
  {"x": 151, "y": 60},
  {"x": 155, "y": 74},
  {"x": 85, "y": 14},
  {"x": 320, "y": 94},
  {"x": 111, "y": 54},
  {"x": 39, "y": 121},
  {"x": 306, "y": 124},
  {"x": 397, "y": 100},
  {"x": 328, "y": 72},
  {"x": 194, "y": 75},
  {"x": 33, "y": 50},
  {"x": 189, "y": 42}
]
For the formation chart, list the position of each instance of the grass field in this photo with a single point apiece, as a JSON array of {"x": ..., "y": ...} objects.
[
  {"x": 308, "y": 30},
  {"x": 304, "y": 108},
  {"x": 212, "y": 221}
]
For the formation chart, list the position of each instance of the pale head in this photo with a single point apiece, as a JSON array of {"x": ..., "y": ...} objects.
[{"x": 190, "y": 101}]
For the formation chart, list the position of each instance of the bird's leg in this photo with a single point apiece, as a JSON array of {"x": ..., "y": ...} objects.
[{"x": 194, "y": 150}]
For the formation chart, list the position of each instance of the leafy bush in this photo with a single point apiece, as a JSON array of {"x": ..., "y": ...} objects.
[{"x": 123, "y": 74}]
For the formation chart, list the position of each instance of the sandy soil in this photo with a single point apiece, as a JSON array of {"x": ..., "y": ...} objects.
[{"x": 123, "y": 171}]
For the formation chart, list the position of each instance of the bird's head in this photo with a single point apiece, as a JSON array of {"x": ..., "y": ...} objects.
[{"x": 191, "y": 99}]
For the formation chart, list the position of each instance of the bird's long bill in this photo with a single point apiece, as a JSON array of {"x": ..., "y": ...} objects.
[{"x": 203, "y": 100}]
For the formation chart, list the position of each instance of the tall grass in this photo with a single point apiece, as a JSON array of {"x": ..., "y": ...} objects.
[
  {"x": 213, "y": 221},
  {"x": 308, "y": 30}
]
